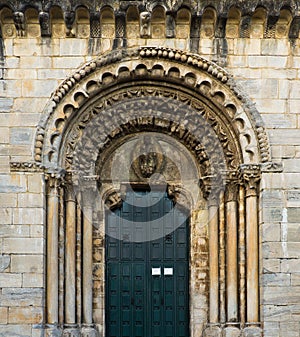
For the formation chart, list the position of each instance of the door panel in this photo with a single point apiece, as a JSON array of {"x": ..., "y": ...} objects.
[{"x": 142, "y": 301}]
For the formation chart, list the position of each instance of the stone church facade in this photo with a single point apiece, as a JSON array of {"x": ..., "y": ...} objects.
[{"x": 195, "y": 103}]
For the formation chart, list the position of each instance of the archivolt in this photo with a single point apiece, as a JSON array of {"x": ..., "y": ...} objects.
[{"x": 158, "y": 72}]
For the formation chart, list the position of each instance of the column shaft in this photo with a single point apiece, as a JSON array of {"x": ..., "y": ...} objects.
[
  {"x": 231, "y": 259},
  {"x": 87, "y": 275},
  {"x": 70, "y": 260},
  {"x": 52, "y": 250},
  {"x": 242, "y": 254},
  {"x": 213, "y": 264},
  {"x": 222, "y": 260},
  {"x": 252, "y": 259},
  {"x": 251, "y": 177}
]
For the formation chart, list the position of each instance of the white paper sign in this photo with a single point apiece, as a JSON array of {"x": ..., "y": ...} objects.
[
  {"x": 156, "y": 271},
  {"x": 168, "y": 271}
]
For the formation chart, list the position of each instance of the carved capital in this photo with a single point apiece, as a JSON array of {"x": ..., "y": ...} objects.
[
  {"x": 231, "y": 191},
  {"x": 180, "y": 196},
  {"x": 54, "y": 181},
  {"x": 205, "y": 186},
  {"x": 250, "y": 175},
  {"x": 68, "y": 186},
  {"x": 113, "y": 199},
  {"x": 232, "y": 186}
]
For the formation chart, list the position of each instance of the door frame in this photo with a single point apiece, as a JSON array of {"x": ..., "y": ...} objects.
[{"x": 142, "y": 187}]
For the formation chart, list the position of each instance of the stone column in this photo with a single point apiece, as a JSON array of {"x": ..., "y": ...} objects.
[
  {"x": 231, "y": 216},
  {"x": 52, "y": 186},
  {"x": 88, "y": 199},
  {"x": 213, "y": 230},
  {"x": 251, "y": 178},
  {"x": 222, "y": 261},
  {"x": 242, "y": 257},
  {"x": 70, "y": 258}
]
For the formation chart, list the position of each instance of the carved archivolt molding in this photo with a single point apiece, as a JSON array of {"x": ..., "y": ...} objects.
[{"x": 123, "y": 75}]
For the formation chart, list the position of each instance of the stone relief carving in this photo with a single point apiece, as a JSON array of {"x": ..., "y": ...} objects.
[
  {"x": 147, "y": 158},
  {"x": 19, "y": 20},
  {"x": 145, "y": 28}
]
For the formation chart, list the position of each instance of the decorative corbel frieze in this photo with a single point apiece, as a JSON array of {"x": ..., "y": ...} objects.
[
  {"x": 44, "y": 19},
  {"x": 19, "y": 21},
  {"x": 26, "y": 167},
  {"x": 271, "y": 167}
]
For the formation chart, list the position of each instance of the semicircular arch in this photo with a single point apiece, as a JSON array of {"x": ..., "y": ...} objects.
[{"x": 156, "y": 74}]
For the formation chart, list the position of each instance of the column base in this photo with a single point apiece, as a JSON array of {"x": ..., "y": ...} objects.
[
  {"x": 53, "y": 331},
  {"x": 231, "y": 330},
  {"x": 71, "y": 331},
  {"x": 89, "y": 331},
  {"x": 252, "y": 331},
  {"x": 212, "y": 331}
]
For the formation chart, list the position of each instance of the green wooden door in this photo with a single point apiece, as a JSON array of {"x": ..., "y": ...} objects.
[{"x": 147, "y": 268}]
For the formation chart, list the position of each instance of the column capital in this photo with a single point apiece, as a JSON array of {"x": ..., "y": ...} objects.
[
  {"x": 69, "y": 186},
  {"x": 232, "y": 185},
  {"x": 54, "y": 180},
  {"x": 250, "y": 176}
]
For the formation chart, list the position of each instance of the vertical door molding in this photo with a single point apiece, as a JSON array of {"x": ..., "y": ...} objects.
[
  {"x": 88, "y": 199},
  {"x": 251, "y": 176},
  {"x": 231, "y": 217},
  {"x": 70, "y": 254},
  {"x": 53, "y": 184}
]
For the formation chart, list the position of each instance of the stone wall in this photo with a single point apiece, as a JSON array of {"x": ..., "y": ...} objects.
[{"x": 259, "y": 47}]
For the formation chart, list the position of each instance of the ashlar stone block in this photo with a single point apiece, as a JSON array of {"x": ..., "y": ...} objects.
[
  {"x": 21, "y": 297},
  {"x": 27, "y": 263},
  {"x": 30, "y": 315},
  {"x": 23, "y": 246}
]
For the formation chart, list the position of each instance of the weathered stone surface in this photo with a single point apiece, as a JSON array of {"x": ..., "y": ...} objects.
[
  {"x": 21, "y": 135},
  {"x": 14, "y": 184},
  {"x": 27, "y": 263},
  {"x": 281, "y": 295},
  {"x": 276, "y": 279},
  {"x": 10, "y": 280},
  {"x": 5, "y": 104},
  {"x": 15, "y": 330},
  {"x": 231, "y": 332},
  {"x": 21, "y": 297},
  {"x": 4, "y": 262},
  {"x": 23, "y": 246},
  {"x": 33, "y": 315},
  {"x": 252, "y": 332}
]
